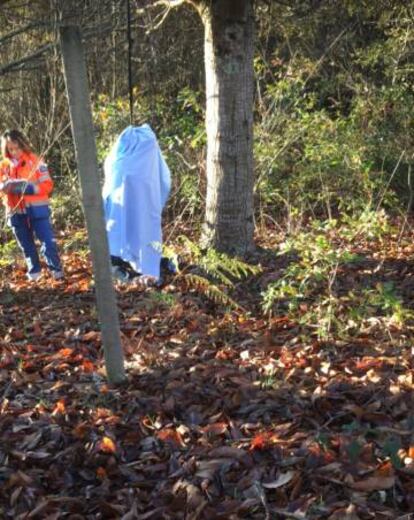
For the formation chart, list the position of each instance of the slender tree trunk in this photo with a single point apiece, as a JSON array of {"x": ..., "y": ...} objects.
[
  {"x": 114, "y": 54},
  {"x": 229, "y": 46},
  {"x": 85, "y": 147}
]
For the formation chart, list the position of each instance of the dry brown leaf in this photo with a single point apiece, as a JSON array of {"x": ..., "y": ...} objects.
[
  {"x": 207, "y": 469},
  {"x": 348, "y": 513},
  {"x": 228, "y": 451},
  {"x": 375, "y": 483},
  {"x": 217, "y": 428},
  {"x": 172, "y": 436}
]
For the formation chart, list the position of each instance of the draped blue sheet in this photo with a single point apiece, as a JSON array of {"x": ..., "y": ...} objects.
[{"x": 136, "y": 188}]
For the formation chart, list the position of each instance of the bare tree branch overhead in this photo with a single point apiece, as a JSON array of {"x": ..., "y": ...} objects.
[
  {"x": 42, "y": 51},
  {"x": 28, "y": 59},
  {"x": 18, "y": 31}
]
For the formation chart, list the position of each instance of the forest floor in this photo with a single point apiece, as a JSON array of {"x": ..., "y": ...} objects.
[{"x": 226, "y": 414}]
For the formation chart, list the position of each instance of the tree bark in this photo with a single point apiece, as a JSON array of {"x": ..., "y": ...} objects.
[
  {"x": 85, "y": 148},
  {"x": 229, "y": 47}
]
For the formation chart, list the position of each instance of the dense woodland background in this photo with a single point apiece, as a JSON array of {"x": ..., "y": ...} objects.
[
  {"x": 333, "y": 105},
  {"x": 275, "y": 389}
]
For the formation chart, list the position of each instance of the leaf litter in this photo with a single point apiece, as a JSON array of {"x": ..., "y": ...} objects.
[{"x": 226, "y": 414}]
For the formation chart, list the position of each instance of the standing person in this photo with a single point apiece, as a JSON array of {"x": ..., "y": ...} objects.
[{"x": 26, "y": 186}]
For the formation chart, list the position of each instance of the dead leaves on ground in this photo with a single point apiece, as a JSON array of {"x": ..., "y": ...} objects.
[{"x": 226, "y": 416}]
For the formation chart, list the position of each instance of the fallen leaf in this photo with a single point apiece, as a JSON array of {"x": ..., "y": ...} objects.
[
  {"x": 262, "y": 441},
  {"x": 107, "y": 445},
  {"x": 101, "y": 473},
  {"x": 37, "y": 330},
  {"x": 373, "y": 484},
  {"x": 348, "y": 513},
  {"x": 217, "y": 428},
  {"x": 281, "y": 480},
  {"x": 171, "y": 435},
  {"x": 65, "y": 352},
  {"x": 87, "y": 366},
  {"x": 59, "y": 407}
]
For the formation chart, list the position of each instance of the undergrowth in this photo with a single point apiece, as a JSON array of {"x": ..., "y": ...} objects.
[{"x": 314, "y": 289}]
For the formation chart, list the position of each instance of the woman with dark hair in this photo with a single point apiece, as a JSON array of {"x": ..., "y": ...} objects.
[{"x": 26, "y": 186}]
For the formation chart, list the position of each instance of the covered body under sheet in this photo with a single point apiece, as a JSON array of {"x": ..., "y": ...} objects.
[{"x": 136, "y": 188}]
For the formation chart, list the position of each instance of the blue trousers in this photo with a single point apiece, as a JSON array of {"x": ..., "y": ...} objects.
[{"x": 36, "y": 223}]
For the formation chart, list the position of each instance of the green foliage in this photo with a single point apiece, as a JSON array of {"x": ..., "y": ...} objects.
[
  {"x": 310, "y": 290},
  {"x": 179, "y": 125},
  {"x": 67, "y": 208},
  {"x": 319, "y": 259},
  {"x": 380, "y": 301},
  {"x": 110, "y": 118},
  {"x": 156, "y": 300},
  {"x": 77, "y": 242},
  {"x": 223, "y": 268},
  {"x": 313, "y": 162},
  {"x": 9, "y": 250},
  {"x": 209, "y": 272},
  {"x": 208, "y": 289},
  {"x": 368, "y": 224},
  {"x": 335, "y": 133}
]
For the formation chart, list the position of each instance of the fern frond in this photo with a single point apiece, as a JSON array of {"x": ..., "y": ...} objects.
[
  {"x": 230, "y": 266},
  {"x": 211, "y": 291},
  {"x": 219, "y": 265},
  {"x": 193, "y": 249},
  {"x": 215, "y": 268}
]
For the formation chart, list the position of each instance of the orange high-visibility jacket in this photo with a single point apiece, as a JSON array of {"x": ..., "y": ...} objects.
[{"x": 32, "y": 169}]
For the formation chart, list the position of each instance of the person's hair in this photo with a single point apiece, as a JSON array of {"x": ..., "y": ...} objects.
[{"x": 17, "y": 137}]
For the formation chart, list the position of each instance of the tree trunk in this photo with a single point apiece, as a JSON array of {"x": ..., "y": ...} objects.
[
  {"x": 229, "y": 47},
  {"x": 85, "y": 147}
]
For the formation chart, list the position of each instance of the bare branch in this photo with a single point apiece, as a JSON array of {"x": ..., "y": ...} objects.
[
  {"x": 87, "y": 35},
  {"x": 41, "y": 51},
  {"x": 169, "y": 6},
  {"x": 160, "y": 22},
  {"x": 18, "y": 64},
  {"x": 16, "y": 32}
]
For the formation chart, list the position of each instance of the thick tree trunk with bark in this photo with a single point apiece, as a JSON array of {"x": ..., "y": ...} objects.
[
  {"x": 229, "y": 47},
  {"x": 85, "y": 147}
]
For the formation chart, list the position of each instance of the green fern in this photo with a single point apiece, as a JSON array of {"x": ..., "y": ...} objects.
[
  {"x": 208, "y": 289},
  {"x": 212, "y": 268},
  {"x": 219, "y": 265}
]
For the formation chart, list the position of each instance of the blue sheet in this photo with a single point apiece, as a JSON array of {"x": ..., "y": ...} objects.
[{"x": 136, "y": 188}]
